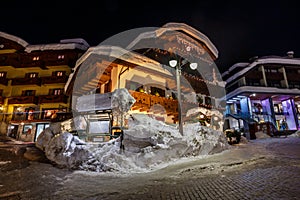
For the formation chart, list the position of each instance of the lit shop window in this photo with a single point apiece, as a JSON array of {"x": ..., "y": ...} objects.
[
  {"x": 36, "y": 58},
  {"x": 49, "y": 113}
]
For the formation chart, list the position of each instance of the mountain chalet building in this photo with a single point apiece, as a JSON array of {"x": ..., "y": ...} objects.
[
  {"x": 32, "y": 80},
  {"x": 263, "y": 95},
  {"x": 145, "y": 71}
]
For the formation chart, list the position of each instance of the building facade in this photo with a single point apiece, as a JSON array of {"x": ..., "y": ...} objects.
[
  {"x": 264, "y": 95},
  {"x": 32, "y": 80},
  {"x": 143, "y": 69}
]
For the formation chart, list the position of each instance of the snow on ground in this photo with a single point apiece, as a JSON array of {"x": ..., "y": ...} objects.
[{"x": 148, "y": 145}]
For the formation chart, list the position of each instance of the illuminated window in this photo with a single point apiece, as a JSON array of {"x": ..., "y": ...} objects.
[
  {"x": 2, "y": 74},
  {"x": 36, "y": 58},
  {"x": 60, "y": 57},
  {"x": 32, "y": 75},
  {"x": 59, "y": 73},
  {"x": 57, "y": 91},
  {"x": 49, "y": 113}
]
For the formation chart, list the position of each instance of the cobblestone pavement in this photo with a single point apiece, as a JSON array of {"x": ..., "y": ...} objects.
[
  {"x": 262, "y": 169},
  {"x": 278, "y": 182}
]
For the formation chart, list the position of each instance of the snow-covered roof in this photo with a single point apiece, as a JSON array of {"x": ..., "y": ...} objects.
[
  {"x": 75, "y": 43},
  {"x": 172, "y": 26},
  {"x": 241, "y": 65},
  {"x": 75, "y": 40},
  {"x": 56, "y": 46},
  {"x": 267, "y": 90},
  {"x": 281, "y": 60},
  {"x": 14, "y": 38},
  {"x": 120, "y": 53}
]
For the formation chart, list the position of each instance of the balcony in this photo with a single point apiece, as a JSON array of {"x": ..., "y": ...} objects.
[
  {"x": 26, "y": 81},
  {"x": 293, "y": 76},
  {"x": 54, "y": 79},
  {"x": 23, "y": 100},
  {"x": 254, "y": 75},
  {"x": 52, "y": 99}
]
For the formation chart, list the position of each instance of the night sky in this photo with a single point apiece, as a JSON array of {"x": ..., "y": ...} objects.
[{"x": 238, "y": 29}]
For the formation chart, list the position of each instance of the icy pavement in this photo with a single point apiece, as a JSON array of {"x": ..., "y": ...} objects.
[{"x": 267, "y": 168}]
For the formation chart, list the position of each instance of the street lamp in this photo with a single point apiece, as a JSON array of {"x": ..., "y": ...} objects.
[{"x": 174, "y": 63}]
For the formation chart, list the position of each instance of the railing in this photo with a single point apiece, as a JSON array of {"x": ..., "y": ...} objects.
[
  {"x": 147, "y": 101},
  {"x": 54, "y": 79},
  {"x": 26, "y": 81},
  {"x": 23, "y": 100},
  {"x": 250, "y": 117},
  {"x": 52, "y": 99}
]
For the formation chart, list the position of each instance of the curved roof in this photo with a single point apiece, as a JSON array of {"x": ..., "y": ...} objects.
[
  {"x": 266, "y": 60},
  {"x": 76, "y": 43},
  {"x": 14, "y": 38},
  {"x": 172, "y": 26}
]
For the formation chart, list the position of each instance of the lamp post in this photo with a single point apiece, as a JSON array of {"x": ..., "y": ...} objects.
[{"x": 174, "y": 63}]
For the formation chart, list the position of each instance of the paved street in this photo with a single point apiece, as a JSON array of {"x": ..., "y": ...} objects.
[{"x": 261, "y": 169}]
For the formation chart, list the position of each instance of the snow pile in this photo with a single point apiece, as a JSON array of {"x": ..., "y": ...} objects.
[
  {"x": 261, "y": 135},
  {"x": 63, "y": 148},
  {"x": 150, "y": 144},
  {"x": 296, "y": 134}
]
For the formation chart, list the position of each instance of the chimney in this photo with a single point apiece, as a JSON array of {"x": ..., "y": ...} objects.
[{"x": 290, "y": 54}]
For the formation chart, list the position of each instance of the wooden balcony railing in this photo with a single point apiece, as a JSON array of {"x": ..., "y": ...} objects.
[
  {"x": 26, "y": 81},
  {"x": 145, "y": 101},
  {"x": 54, "y": 79},
  {"x": 52, "y": 99},
  {"x": 22, "y": 100}
]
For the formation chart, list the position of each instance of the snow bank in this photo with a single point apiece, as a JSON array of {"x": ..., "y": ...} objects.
[
  {"x": 150, "y": 144},
  {"x": 261, "y": 135},
  {"x": 296, "y": 134},
  {"x": 62, "y": 148}
]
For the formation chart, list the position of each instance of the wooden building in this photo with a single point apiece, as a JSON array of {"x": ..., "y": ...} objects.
[{"x": 143, "y": 68}]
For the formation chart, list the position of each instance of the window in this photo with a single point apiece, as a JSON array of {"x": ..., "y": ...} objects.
[
  {"x": 3, "y": 74},
  {"x": 271, "y": 70},
  {"x": 49, "y": 113},
  {"x": 274, "y": 83},
  {"x": 294, "y": 84},
  {"x": 157, "y": 91},
  {"x": 60, "y": 57},
  {"x": 59, "y": 73},
  {"x": 57, "y": 91},
  {"x": 253, "y": 82},
  {"x": 28, "y": 92},
  {"x": 40, "y": 128},
  {"x": 27, "y": 129},
  {"x": 31, "y": 75},
  {"x": 36, "y": 58}
]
